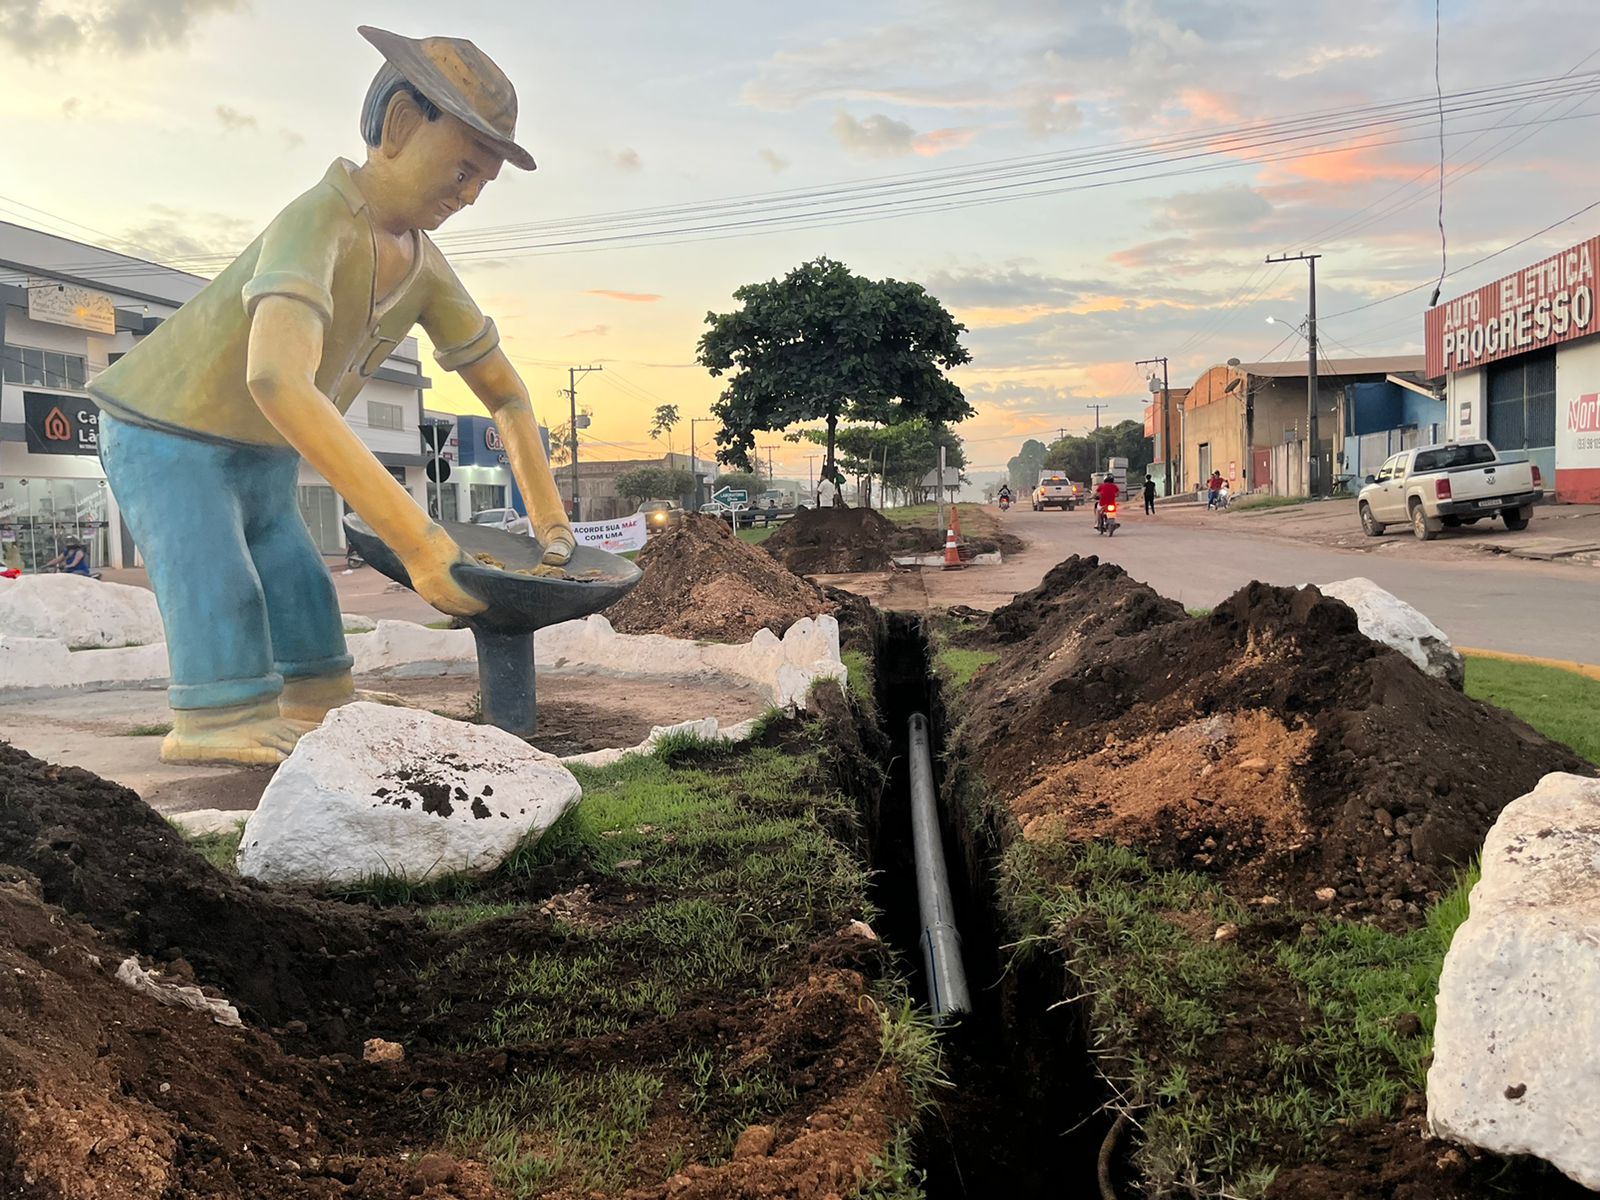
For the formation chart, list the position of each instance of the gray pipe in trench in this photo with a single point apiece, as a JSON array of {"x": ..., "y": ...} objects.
[{"x": 941, "y": 943}]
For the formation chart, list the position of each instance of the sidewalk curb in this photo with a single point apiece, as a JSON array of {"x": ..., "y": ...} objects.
[{"x": 1587, "y": 670}]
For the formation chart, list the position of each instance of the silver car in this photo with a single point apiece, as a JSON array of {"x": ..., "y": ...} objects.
[{"x": 508, "y": 519}]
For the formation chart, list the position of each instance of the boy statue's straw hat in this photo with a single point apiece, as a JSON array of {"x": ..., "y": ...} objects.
[{"x": 463, "y": 81}]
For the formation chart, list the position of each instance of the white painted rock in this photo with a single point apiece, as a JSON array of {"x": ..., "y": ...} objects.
[
  {"x": 396, "y": 791},
  {"x": 1516, "y": 1057},
  {"x": 82, "y": 612},
  {"x": 356, "y": 623},
  {"x": 1386, "y": 618}
]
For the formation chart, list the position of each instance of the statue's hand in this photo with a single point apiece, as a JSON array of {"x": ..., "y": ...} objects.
[
  {"x": 433, "y": 579},
  {"x": 559, "y": 545}
]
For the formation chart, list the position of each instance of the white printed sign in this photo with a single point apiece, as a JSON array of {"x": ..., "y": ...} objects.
[{"x": 625, "y": 533}]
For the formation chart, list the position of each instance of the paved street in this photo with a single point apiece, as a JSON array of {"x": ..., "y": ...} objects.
[
  {"x": 1484, "y": 602},
  {"x": 1547, "y": 610}
]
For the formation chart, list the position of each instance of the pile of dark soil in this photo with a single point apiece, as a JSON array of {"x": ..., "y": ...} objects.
[
  {"x": 702, "y": 582},
  {"x": 830, "y": 541},
  {"x": 106, "y": 1094},
  {"x": 1270, "y": 744}
]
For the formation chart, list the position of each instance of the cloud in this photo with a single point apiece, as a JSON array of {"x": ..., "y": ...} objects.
[
  {"x": 626, "y": 297},
  {"x": 590, "y": 331},
  {"x": 940, "y": 141},
  {"x": 234, "y": 121},
  {"x": 627, "y": 159},
  {"x": 774, "y": 161},
  {"x": 1232, "y": 207},
  {"x": 1050, "y": 115},
  {"x": 72, "y": 108},
  {"x": 43, "y": 30},
  {"x": 880, "y": 136},
  {"x": 174, "y": 233}
]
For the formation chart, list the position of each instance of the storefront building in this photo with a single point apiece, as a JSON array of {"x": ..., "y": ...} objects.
[
  {"x": 479, "y": 477},
  {"x": 1520, "y": 361},
  {"x": 67, "y": 311}
]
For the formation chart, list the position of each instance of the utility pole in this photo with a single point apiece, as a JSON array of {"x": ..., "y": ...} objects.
[
  {"x": 572, "y": 394},
  {"x": 1166, "y": 418},
  {"x": 694, "y": 459},
  {"x": 811, "y": 477},
  {"x": 1097, "y": 408},
  {"x": 1312, "y": 460},
  {"x": 770, "y": 476}
]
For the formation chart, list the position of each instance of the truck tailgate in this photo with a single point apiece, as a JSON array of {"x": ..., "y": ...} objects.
[{"x": 1496, "y": 479}]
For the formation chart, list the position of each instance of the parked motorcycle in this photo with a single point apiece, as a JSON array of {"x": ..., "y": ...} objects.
[{"x": 1105, "y": 520}]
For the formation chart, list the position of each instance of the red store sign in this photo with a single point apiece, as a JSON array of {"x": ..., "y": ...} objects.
[{"x": 1543, "y": 305}]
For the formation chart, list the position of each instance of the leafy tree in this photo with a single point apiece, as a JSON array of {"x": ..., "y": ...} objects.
[
  {"x": 1025, "y": 466},
  {"x": 666, "y": 416},
  {"x": 1086, "y": 455},
  {"x": 825, "y": 344},
  {"x": 740, "y": 480},
  {"x": 900, "y": 455},
  {"x": 654, "y": 483}
]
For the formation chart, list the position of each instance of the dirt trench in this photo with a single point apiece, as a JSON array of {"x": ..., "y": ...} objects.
[{"x": 1022, "y": 1115}]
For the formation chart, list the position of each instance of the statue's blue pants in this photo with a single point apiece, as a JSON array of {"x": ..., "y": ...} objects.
[{"x": 245, "y": 596}]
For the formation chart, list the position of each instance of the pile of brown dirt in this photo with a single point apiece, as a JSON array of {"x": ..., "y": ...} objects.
[
  {"x": 1271, "y": 744},
  {"x": 702, "y": 582},
  {"x": 830, "y": 541}
]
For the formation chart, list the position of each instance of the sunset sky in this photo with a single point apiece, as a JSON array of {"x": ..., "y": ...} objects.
[{"x": 175, "y": 129}]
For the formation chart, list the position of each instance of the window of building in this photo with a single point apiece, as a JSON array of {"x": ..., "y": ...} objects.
[
  {"x": 42, "y": 368},
  {"x": 385, "y": 416},
  {"x": 1522, "y": 402},
  {"x": 488, "y": 495}
]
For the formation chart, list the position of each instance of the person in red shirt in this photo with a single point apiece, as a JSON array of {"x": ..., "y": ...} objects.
[{"x": 1105, "y": 495}]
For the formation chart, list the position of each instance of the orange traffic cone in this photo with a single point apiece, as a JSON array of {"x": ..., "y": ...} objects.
[
  {"x": 952, "y": 553},
  {"x": 955, "y": 521}
]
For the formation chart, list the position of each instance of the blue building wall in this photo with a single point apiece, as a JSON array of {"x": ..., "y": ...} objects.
[{"x": 1381, "y": 419}]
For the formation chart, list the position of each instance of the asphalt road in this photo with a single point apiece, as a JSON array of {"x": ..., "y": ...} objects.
[{"x": 1545, "y": 610}]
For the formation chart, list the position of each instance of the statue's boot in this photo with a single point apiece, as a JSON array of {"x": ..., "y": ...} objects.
[
  {"x": 250, "y": 735},
  {"x": 311, "y": 698}
]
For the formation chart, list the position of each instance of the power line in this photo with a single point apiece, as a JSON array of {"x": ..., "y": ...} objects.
[
  {"x": 1476, "y": 262},
  {"x": 1022, "y": 179}
]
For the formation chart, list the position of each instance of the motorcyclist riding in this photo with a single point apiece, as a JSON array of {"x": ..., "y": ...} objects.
[{"x": 1106, "y": 494}]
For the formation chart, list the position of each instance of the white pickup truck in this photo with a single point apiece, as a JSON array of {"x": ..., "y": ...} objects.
[
  {"x": 1443, "y": 487},
  {"x": 1055, "y": 490}
]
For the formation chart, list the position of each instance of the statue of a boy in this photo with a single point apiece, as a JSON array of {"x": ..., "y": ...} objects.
[{"x": 206, "y": 420}]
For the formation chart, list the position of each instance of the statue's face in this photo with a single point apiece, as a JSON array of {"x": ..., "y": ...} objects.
[{"x": 440, "y": 169}]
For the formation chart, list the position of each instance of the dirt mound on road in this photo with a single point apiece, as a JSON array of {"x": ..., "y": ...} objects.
[
  {"x": 702, "y": 582},
  {"x": 831, "y": 541},
  {"x": 1270, "y": 744}
]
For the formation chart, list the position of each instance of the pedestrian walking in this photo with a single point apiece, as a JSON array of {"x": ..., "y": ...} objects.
[{"x": 1149, "y": 496}]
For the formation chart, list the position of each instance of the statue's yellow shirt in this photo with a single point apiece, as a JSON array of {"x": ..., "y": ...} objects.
[{"x": 188, "y": 375}]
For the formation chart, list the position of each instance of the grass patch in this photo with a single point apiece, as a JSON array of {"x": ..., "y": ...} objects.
[
  {"x": 1559, "y": 704},
  {"x": 545, "y": 1125},
  {"x": 446, "y": 623},
  {"x": 730, "y": 867},
  {"x": 154, "y": 729},
  {"x": 1340, "y": 1015},
  {"x": 1198, "y": 613},
  {"x": 218, "y": 849},
  {"x": 1263, "y": 503},
  {"x": 756, "y": 535},
  {"x": 958, "y": 666},
  {"x": 862, "y": 680}
]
